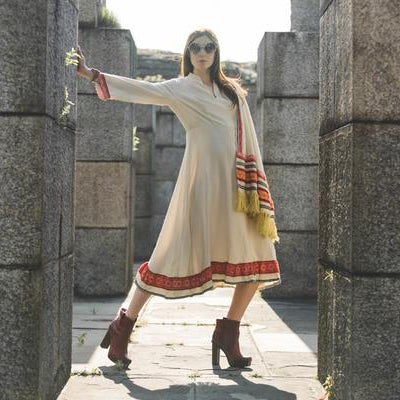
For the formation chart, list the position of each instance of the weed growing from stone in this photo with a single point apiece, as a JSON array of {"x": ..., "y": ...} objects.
[
  {"x": 67, "y": 106},
  {"x": 329, "y": 275},
  {"x": 94, "y": 371},
  {"x": 69, "y": 59},
  {"x": 256, "y": 375},
  {"x": 328, "y": 385},
  {"x": 108, "y": 19},
  {"x": 81, "y": 338},
  {"x": 194, "y": 375}
]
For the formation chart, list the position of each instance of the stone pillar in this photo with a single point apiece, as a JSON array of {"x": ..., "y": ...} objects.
[
  {"x": 36, "y": 197},
  {"x": 288, "y": 100},
  {"x": 169, "y": 143},
  {"x": 89, "y": 11},
  {"x": 304, "y": 15},
  {"x": 105, "y": 178},
  {"x": 359, "y": 218},
  {"x": 143, "y": 120}
]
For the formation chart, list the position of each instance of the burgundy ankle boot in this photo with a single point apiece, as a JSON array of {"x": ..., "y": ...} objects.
[
  {"x": 117, "y": 337},
  {"x": 226, "y": 337}
]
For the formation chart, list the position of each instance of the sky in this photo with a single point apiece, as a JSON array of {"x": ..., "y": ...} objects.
[{"x": 166, "y": 24}]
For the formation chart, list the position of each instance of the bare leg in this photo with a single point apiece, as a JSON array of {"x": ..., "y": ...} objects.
[
  {"x": 139, "y": 299},
  {"x": 242, "y": 295}
]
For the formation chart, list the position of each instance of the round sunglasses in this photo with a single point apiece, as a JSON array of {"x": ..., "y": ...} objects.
[{"x": 196, "y": 48}]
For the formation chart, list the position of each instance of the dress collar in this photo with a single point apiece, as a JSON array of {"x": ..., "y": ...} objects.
[{"x": 193, "y": 76}]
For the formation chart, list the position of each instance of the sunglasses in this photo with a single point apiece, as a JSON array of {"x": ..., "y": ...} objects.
[{"x": 196, "y": 48}]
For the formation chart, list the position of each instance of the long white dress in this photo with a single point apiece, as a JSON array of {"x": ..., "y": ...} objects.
[{"x": 203, "y": 243}]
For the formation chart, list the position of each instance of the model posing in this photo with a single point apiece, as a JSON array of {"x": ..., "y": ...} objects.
[{"x": 204, "y": 242}]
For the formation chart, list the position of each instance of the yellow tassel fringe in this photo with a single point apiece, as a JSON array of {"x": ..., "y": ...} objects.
[
  {"x": 241, "y": 202},
  {"x": 250, "y": 204},
  {"x": 267, "y": 227}
]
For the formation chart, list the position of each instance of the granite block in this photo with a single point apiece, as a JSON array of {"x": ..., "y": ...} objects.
[
  {"x": 102, "y": 194},
  {"x": 360, "y": 166},
  {"x": 360, "y": 65},
  {"x": 290, "y": 130},
  {"x": 293, "y": 187},
  {"x": 296, "y": 253},
  {"x": 167, "y": 162},
  {"x": 109, "y": 50},
  {"x": 162, "y": 192},
  {"x": 304, "y": 15},
  {"x": 38, "y": 186},
  {"x": 104, "y": 130},
  {"x": 143, "y": 195},
  {"x": 42, "y": 34},
  {"x": 288, "y": 64},
  {"x": 101, "y": 262}
]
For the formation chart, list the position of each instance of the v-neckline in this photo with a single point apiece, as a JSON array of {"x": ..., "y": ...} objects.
[{"x": 213, "y": 87}]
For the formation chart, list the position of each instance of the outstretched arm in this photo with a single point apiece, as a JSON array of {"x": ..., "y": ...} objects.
[{"x": 115, "y": 87}]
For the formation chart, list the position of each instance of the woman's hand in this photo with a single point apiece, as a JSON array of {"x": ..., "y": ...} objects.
[{"x": 82, "y": 69}]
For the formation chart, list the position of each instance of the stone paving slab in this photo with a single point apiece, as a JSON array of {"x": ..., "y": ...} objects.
[
  {"x": 171, "y": 351},
  {"x": 159, "y": 360},
  {"x": 254, "y": 388}
]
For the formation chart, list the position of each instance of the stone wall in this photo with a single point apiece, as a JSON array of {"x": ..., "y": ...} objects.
[
  {"x": 288, "y": 86},
  {"x": 105, "y": 172},
  {"x": 36, "y": 198},
  {"x": 359, "y": 203}
]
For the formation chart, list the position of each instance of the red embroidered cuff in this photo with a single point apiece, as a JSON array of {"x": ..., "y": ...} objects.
[{"x": 102, "y": 88}]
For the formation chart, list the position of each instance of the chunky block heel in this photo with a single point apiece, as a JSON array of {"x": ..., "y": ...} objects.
[
  {"x": 215, "y": 354},
  {"x": 226, "y": 338},
  {"x": 117, "y": 338},
  {"x": 106, "y": 340}
]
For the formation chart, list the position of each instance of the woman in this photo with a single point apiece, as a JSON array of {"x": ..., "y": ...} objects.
[{"x": 204, "y": 242}]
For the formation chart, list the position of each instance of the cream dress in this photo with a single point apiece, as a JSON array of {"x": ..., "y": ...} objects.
[{"x": 203, "y": 243}]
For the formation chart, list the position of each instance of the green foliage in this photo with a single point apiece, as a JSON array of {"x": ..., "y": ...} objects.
[
  {"x": 329, "y": 275},
  {"x": 69, "y": 60},
  {"x": 92, "y": 372},
  {"x": 194, "y": 375},
  {"x": 107, "y": 19},
  {"x": 328, "y": 384},
  {"x": 81, "y": 338},
  {"x": 66, "y": 108}
]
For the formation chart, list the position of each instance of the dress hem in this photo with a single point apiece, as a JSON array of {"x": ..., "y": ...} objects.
[
  {"x": 215, "y": 284},
  {"x": 219, "y": 274}
]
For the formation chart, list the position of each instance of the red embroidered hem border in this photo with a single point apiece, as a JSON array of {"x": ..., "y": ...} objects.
[{"x": 217, "y": 267}]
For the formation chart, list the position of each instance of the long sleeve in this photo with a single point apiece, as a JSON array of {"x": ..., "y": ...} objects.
[{"x": 115, "y": 87}]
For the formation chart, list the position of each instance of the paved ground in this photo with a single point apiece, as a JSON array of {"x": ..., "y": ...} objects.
[{"x": 171, "y": 351}]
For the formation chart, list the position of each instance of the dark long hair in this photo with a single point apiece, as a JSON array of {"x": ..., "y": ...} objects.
[{"x": 229, "y": 86}]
